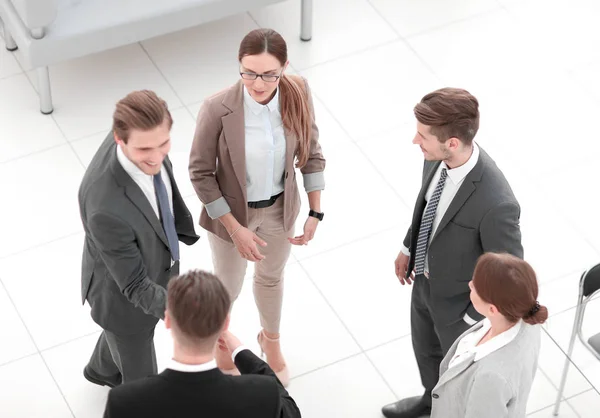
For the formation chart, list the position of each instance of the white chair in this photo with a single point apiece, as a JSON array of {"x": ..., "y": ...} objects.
[
  {"x": 51, "y": 31},
  {"x": 589, "y": 286}
]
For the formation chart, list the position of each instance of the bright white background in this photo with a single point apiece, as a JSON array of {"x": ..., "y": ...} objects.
[{"x": 534, "y": 67}]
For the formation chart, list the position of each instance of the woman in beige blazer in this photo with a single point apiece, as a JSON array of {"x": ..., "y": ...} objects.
[
  {"x": 489, "y": 370},
  {"x": 249, "y": 139}
]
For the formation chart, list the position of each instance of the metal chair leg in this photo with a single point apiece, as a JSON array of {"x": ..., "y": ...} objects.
[
  {"x": 43, "y": 77},
  {"x": 306, "y": 20},
  {"x": 563, "y": 380},
  {"x": 10, "y": 43}
]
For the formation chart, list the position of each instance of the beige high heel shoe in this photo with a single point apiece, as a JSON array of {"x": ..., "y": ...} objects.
[{"x": 284, "y": 374}]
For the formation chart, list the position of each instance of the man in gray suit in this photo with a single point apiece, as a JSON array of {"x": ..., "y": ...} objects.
[
  {"x": 133, "y": 216},
  {"x": 465, "y": 208}
]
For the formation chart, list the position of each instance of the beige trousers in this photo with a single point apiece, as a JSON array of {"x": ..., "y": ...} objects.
[{"x": 230, "y": 267}]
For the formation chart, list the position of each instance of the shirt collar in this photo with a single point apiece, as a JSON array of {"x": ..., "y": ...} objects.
[
  {"x": 191, "y": 368},
  {"x": 497, "y": 342},
  {"x": 458, "y": 174},
  {"x": 256, "y": 107},
  {"x": 129, "y": 167}
]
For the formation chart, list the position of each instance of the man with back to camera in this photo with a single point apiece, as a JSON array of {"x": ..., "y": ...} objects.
[
  {"x": 133, "y": 216},
  {"x": 192, "y": 386},
  {"x": 465, "y": 208}
]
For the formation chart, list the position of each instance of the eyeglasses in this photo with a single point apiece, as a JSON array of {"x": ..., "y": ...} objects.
[{"x": 269, "y": 78}]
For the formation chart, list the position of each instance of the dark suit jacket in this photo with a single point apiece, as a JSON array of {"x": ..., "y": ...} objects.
[
  {"x": 482, "y": 217},
  {"x": 210, "y": 394},
  {"x": 126, "y": 257}
]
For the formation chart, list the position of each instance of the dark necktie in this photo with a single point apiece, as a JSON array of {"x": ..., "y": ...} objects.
[
  {"x": 427, "y": 223},
  {"x": 167, "y": 219}
]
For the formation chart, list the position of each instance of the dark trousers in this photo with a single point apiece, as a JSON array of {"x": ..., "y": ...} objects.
[
  {"x": 132, "y": 356},
  {"x": 431, "y": 340}
]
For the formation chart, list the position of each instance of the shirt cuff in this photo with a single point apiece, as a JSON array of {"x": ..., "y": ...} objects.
[
  {"x": 314, "y": 181},
  {"x": 237, "y": 351},
  {"x": 405, "y": 251},
  {"x": 469, "y": 320},
  {"x": 217, "y": 208}
]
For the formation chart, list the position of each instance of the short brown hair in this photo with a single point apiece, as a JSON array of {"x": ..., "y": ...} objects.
[
  {"x": 141, "y": 110},
  {"x": 451, "y": 113},
  {"x": 510, "y": 284},
  {"x": 198, "y": 306}
]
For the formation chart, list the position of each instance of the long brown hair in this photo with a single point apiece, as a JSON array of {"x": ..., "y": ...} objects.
[
  {"x": 140, "y": 110},
  {"x": 510, "y": 284},
  {"x": 451, "y": 113},
  {"x": 295, "y": 111}
]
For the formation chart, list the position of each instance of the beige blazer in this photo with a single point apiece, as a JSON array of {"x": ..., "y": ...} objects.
[{"x": 218, "y": 158}]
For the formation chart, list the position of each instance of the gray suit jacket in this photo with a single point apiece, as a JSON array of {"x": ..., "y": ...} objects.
[
  {"x": 126, "y": 257},
  {"x": 496, "y": 386},
  {"x": 482, "y": 217}
]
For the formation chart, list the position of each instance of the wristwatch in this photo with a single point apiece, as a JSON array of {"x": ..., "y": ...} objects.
[{"x": 318, "y": 215}]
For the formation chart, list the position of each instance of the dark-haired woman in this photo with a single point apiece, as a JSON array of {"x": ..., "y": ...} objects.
[
  {"x": 489, "y": 370},
  {"x": 249, "y": 139}
]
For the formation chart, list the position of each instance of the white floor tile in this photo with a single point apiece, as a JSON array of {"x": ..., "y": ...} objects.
[
  {"x": 565, "y": 412},
  {"x": 356, "y": 26},
  {"x": 8, "y": 63},
  {"x": 335, "y": 391},
  {"x": 397, "y": 364},
  {"x": 586, "y": 76},
  {"x": 44, "y": 188},
  {"x": 587, "y": 404},
  {"x": 373, "y": 91},
  {"x": 27, "y": 390},
  {"x": 542, "y": 395},
  {"x": 560, "y": 294},
  {"x": 410, "y": 17},
  {"x": 360, "y": 283},
  {"x": 398, "y": 160},
  {"x": 24, "y": 129},
  {"x": 35, "y": 293},
  {"x": 201, "y": 61},
  {"x": 87, "y": 147},
  {"x": 488, "y": 53},
  {"x": 576, "y": 43},
  {"x": 66, "y": 363},
  {"x": 86, "y": 90},
  {"x": 356, "y": 202},
  {"x": 13, "y": 331}
]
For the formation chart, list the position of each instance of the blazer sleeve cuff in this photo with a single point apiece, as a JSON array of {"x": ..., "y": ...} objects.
[
  {"x": 314, "y": 181},
  {"x": 217, "y": 208}
]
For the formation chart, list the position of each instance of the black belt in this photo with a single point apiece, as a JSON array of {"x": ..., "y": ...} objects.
[{"x": 264, "y": 203}]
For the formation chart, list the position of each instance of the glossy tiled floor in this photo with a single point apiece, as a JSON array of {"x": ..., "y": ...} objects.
[{"x": 533, "y": 65}]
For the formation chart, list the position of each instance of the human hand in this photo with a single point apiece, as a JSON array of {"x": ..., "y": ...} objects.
[
  {"x": 245, "y": 242},
  {"x": 401, "y": 265},
  {"x": 310, "y": 227}
]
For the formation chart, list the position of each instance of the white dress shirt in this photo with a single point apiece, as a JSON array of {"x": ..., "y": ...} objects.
[
  {"x": 468, "y": 345},
  {"x": 265, "y": 148},
  {"x": 146, "y": 181},
  {"x": 194, "y": 368}
]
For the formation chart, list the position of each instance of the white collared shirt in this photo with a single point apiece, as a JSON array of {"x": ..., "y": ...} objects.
[
  {"x": 468, "y": 345},
  {"x": 145, "y": 181},
  {"x": 194, "y": 368},
  {"x": 455, "y": 179},
  {"x": 265, "y": 148}
]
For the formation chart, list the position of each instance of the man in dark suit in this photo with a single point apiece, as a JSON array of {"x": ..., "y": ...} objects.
[
  {"x": 133, "y": 216},
  {"x": 192, "y": 385},
  {"x": 465, "y": 208}
]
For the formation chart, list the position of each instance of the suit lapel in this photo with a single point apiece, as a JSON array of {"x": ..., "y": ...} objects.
[
  {"x": 464, "y": 192},
  {"x": 451, "y": 372},
  {"x": 234, "y": 132},
  {"x": 136, "y": 196}
]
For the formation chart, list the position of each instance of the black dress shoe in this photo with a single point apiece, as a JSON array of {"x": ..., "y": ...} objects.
[
  {"x": 110, "y": 381},
  {"x": 407, "y": 408}
]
